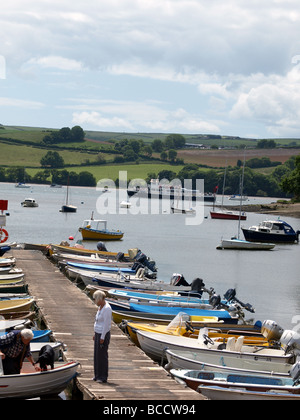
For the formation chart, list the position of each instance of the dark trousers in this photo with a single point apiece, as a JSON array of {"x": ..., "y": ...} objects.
[
  {"x": 11, "y": 366},
  {"x": 101, "y": 358}
]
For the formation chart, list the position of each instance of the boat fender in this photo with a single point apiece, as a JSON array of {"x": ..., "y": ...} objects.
[
  {"x": 140, "y": 272},
  {"x": 3, "y": 235}
]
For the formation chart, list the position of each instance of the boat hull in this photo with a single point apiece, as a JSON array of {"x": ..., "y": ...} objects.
[
  {"x": 253, "y": 236},
  {"x": 155, "y": 344},
  {"x": 94, "y": 235},
  {"x": 227, "y": 215},
  {"x": 240, "y": 244},
  {"x": 36, "y": 384}
]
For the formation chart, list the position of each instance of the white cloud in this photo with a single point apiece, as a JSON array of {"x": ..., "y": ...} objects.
[
  {"x": 20, "y": 103},
  {"x": 56, "y": 62}
]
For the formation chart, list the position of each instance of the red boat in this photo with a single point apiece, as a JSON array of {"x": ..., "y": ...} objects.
[{"x": 228, "y": 215}]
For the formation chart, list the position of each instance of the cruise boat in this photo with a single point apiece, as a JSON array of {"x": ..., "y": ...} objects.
[
  {"x": 29, "y": 202},
  {"x": 271, "y": 231}
]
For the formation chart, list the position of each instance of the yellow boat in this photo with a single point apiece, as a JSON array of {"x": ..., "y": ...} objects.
[
  {"x": 16, "y": 305},
  {"x": 181, "y": 326},
  {"x": 96, "y": 230}
]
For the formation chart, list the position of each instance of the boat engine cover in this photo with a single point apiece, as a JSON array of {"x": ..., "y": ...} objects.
[
  {"x": 271, "y": 330},
  {"x": 295, "y": 372},
  {"x": 290, "y": 340}
]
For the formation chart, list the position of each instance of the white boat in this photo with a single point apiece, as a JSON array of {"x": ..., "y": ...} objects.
[
  {"x": 125, "y": 204},
  {"x": 155, "y": 344},
  {"x": 10, "y": 270},
  {"x": 121, "y": 280},
  {"x": 264, "y": 384},
  {"x": 235, "y": 243},
  {"x": 31, "y": 384},
  {"x": 188, "y": 359},
  {"x": 238, "y": 197},
  {"x": 29, "y": 202},
  {"x": 232, "y": 394},
  {"x": 57, "y": 346},
  {"x": 22, "y": 185},
  {"x": 10, "y": 261}
]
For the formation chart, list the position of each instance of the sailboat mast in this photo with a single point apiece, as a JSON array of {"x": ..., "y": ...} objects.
[{"x": 241, "y": 196}]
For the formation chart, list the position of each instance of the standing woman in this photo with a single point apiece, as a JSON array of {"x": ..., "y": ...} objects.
[{"x": 102, "y": 327}]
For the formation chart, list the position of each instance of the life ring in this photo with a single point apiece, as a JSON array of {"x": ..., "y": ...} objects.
[{"x": 3, "y": 235}]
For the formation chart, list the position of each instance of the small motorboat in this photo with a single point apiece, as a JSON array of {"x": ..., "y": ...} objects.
[
  {"x": 96, "y": 230},
  {"x": 29, "y": 202},
  {"x": 16, "y": 305},
  {"x": 263, "y": 384},
  {"x": 272, "y": 231},
  {"x": 235, "y": 243},
  {"x": 31, "y": 384}
]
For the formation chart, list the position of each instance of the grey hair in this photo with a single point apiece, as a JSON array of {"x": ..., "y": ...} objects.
[
  {"x": 99, "y": 296},
  {"x": 27, "y": 334}
]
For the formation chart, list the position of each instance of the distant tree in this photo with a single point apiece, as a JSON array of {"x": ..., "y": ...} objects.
[
  {"x": 52, "y": 160},
  {"x": 77, "y": 133},
  {"x": 291, "y": 183},
  {"x": 266, "y": 144},
  {"x": 157, "y": 146},
  {"x": 175, "y": 141},
  {"x": 172, "y": 154}
]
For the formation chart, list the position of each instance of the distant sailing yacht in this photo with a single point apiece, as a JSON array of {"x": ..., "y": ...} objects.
[{"x": 68, "y": 208}]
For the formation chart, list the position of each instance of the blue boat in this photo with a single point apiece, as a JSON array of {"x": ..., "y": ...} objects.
[
  {"x": 172, "y": 310},
  {"x": 39, "y": 336},
  {"x": 101, "y": 268},
  {"x": 146, "y": 297},
  {"x": 272, "y": 231}
]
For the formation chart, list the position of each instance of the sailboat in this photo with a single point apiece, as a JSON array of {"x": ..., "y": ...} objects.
[
  {"x": 226, "y": 214},
  {"x": 236, "y": 242},
  {"x": 68, "y": 208}
]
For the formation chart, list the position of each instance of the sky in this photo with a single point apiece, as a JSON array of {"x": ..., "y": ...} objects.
[{"x": 157, "y": 66}]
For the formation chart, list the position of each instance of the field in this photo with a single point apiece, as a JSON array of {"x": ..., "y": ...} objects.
[
  {"x": 25, "y": 149},
  {"x": 218, "y": 158}
]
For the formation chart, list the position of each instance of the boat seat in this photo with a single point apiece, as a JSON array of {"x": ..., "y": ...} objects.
[
  {"x": 239, "y": 343},
  {"x": 230, "y": 345}
]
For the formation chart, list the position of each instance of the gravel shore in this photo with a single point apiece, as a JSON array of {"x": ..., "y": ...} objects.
[{"x": 279, "y": 209}]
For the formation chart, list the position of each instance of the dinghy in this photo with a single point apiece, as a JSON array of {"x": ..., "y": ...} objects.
[
  {"x": 155, "y": 344},
  {"x": 32, "y": 384},
  {"x": 263, "y": 384}
]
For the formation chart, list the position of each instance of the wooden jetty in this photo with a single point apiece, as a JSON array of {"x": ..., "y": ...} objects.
[{"x": 70, "y": 313}]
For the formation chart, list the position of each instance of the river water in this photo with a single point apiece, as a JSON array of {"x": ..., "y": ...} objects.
[{"x": 269, "y": 280}]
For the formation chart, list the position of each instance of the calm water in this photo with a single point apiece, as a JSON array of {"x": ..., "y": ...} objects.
[{"x": 269, "y": 280}]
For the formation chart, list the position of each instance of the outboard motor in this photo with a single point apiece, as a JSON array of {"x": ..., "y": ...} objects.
[
  {"x": 215, "y": 300},
  {"x": 4, "y": 249},
  {"x": 178, "y": 280},
  {"x": 145, "y": 261},
  {"x": 230, "y": 295},
  {"x": 295, "y": 373},
  {"x": 271, "y": 330},
  {"x": 197, "y": 286},
  {"x": 101, "y": 247},
  {"x": 290, "y": 341}
]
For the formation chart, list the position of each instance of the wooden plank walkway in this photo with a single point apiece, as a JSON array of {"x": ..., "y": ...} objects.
[{"x": 70, "y": 314}]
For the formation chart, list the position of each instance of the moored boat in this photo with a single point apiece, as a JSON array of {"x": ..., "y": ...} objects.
[
  {"x": 277, "y": 231},
  {"x": 96, "y": 230},
  {"x": 30, "y": 384},
  {"x": 263, "y": 384},
  {"x": 235, "y": 243},
  {"x": 155, "y": 344},
  {"x": 16, "y": 305}
]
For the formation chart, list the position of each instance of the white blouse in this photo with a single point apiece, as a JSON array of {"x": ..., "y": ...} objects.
[{"x": 103, "y": 320}]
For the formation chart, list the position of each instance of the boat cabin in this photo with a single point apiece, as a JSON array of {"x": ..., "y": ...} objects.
[{"x": 94, "y": 224}]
